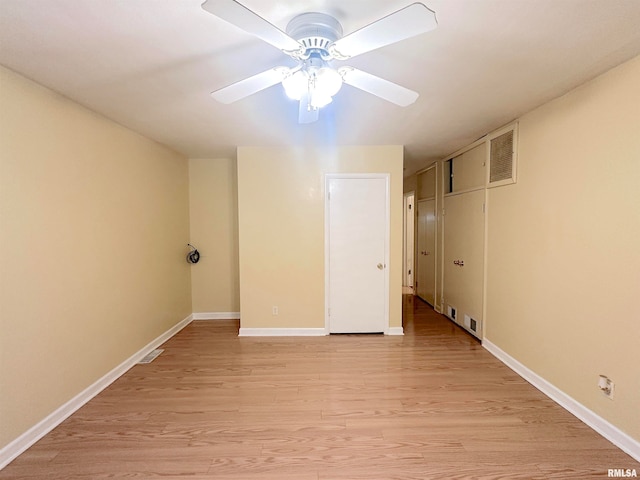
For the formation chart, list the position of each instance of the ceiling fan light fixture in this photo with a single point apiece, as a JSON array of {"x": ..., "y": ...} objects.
[
  {"x": 328, "y": 80},
  {"x": 319, "y": 99},
  {"x": 321, "y": 84},
  {"x": 314, "y": 40},
  {"x": 296, "y": 84}
]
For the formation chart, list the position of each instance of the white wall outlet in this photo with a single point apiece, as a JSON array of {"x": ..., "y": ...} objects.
[
  {"x": 274, "y": 310},
  {"x": 605, "y": 384}
]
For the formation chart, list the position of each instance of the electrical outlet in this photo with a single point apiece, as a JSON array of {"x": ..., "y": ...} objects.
[
  {"x": 274, "y": 310},
  {"x": 606, "y": 385}
]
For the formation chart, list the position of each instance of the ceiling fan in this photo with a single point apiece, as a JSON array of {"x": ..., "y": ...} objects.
[{"x": 315, "y": 41}]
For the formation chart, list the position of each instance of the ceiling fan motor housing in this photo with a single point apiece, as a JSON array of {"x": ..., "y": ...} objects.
[{"x": 316, "y": 32}]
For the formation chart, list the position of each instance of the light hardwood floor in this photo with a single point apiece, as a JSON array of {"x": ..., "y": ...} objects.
[{"x": 432, "y": 404}]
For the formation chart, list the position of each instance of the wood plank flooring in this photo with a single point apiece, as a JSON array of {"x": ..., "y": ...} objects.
[{"x": 432, "y": 404}]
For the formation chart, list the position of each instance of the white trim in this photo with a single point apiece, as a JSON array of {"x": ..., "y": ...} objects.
[
  {"x": 217, "y": 316},
  {"x": 282, "y": 332},
  {"x": 395, "y": 331},
  {"x": 325, "y": 185},
  {"x": 387, "y": 241},
  {"x": 55, "y": 418},
  {"x": 603, "y": 427},
  {"x": 462, "y": 192},
  {"x": 485, "y": 263},
  {"x": 431, "y": 165}
]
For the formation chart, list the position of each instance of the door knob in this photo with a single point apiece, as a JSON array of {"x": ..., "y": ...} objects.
[{"x": 380, "y": 266}]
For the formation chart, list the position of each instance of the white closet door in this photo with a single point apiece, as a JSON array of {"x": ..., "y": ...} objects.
[{"x": 464, "y": 257}]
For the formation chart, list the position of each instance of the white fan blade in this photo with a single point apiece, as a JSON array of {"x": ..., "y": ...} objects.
[
  {"x": 406, "y": 23},
  {"x": 306, "y": 114},
  {"x": 249, "y": 21},
  {"x": 392, "y": 92},
  {"x": 249, "y": 86}
]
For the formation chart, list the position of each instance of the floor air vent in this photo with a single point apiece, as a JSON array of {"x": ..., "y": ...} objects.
[
  {"x": 451, "y": 312},
  {"x": 151, "y": 356},
  {"x": 472, "y": 325}
]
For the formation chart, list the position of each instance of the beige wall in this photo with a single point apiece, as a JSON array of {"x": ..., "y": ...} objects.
[
  {"x": 94, "y": 225},
  {"x": 563, "y": 280},
  {"x": 281, "y": 230},
  {"x": 214, "y": 231}
]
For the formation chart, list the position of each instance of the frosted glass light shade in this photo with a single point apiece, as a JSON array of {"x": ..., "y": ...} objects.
[
  {"x": 319, "y": 99},
  {"x": 328, "y": 81},
  {"x": 296, "y": 85},
  {"x": 320, "y": 83}
]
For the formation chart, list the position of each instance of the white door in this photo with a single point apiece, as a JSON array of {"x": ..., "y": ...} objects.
[
  {"x": 409, "y": 232},
  {"x": 426, "y": 288},
  {"x": 357, "y": 209}
]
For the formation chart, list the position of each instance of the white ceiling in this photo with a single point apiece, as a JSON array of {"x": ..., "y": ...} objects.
[{"x": 151, "y": 64}]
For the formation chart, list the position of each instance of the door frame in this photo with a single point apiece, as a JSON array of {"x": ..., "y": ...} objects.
[
  {"x": 439, "y": 265},
  {"x": 405, "y": 240},
  {"x": 327, "y": 180}
]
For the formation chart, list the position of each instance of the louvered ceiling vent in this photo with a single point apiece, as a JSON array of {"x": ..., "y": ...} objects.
[{"x": 502, "y": 158}]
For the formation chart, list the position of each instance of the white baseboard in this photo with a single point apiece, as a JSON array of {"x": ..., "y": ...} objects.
[
  {"x": 297, "y": 332},
  {"x": 39, "y": 430},
  {"x": 395, "y": 331},
  {"x": 609, "y": 431},
  {"x": 282, "y": 332},
  {"x": 216, "y": 316}
]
